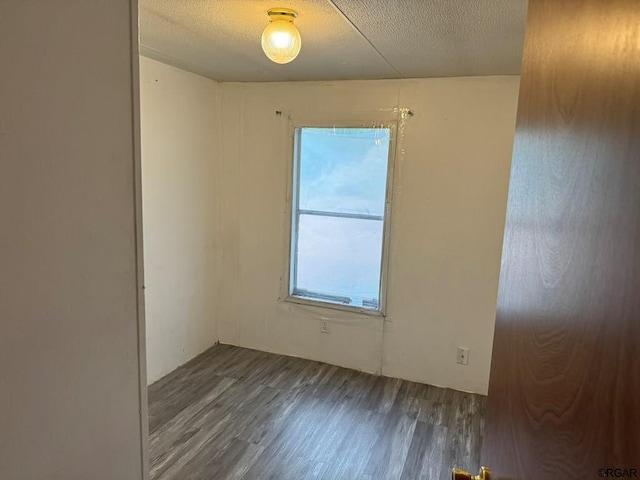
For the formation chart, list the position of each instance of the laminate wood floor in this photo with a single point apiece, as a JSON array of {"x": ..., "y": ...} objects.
[{"x": 235, "y": 413}]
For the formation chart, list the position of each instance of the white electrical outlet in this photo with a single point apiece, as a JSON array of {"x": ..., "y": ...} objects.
[
  {"x": 325, "y": 328},
  {"x": 463, "y": 356}
]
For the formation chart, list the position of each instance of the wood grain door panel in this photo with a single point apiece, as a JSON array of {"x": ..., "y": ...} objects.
[{"x": 564, "y": 394}]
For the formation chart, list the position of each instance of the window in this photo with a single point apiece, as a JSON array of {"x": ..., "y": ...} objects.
[{"x": 338, "y": 216}]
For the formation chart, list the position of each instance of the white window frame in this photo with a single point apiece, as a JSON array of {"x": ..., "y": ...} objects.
[{"x": 292, "y": 204}]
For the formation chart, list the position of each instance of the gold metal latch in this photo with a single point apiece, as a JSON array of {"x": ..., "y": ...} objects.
[{"x": 457, "y": 474}]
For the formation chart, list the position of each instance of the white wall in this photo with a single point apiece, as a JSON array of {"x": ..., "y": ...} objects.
[
  {"x": 179, "y": 120},
  {"x": 450, "y": 190},
  {"x": 71, "y": 401}
]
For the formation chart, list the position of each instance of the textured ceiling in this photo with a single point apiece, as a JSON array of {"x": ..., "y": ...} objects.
[{"x": 341, "y": 39}]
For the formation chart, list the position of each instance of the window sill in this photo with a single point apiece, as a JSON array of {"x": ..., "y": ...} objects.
[{"x": 334, "y": 306}]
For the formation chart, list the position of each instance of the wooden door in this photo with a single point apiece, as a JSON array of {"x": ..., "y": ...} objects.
[{"x": 564, "y": 394}]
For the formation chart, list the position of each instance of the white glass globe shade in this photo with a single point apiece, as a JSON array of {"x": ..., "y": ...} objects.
[{"x": 281, "y": 41}]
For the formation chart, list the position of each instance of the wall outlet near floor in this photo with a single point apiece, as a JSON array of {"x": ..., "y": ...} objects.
[
  {"x": 463, "y": 356},
  {"x": 325, "y": 328}
]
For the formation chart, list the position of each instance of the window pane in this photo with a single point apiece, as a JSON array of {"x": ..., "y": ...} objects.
[
  {"x": 339, "y": 257},
  {"x": 343, "y": 169}
]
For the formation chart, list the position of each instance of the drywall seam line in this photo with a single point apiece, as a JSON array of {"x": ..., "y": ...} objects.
[
  {"x": 218, "y": 200},
  {"x": 359, "y": 32}
]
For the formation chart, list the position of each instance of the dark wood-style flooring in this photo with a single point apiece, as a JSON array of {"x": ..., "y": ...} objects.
[{"x": 234, "y": 413}]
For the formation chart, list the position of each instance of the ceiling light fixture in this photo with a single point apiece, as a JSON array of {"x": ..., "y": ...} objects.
[{"x": 281, "y": 39}]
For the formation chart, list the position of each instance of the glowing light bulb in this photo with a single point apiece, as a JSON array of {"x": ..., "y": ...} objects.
[{"x": 281, "y": 40}]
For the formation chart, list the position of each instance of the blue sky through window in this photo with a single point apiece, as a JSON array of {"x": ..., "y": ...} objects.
[{"x": 342, "y": 171}]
